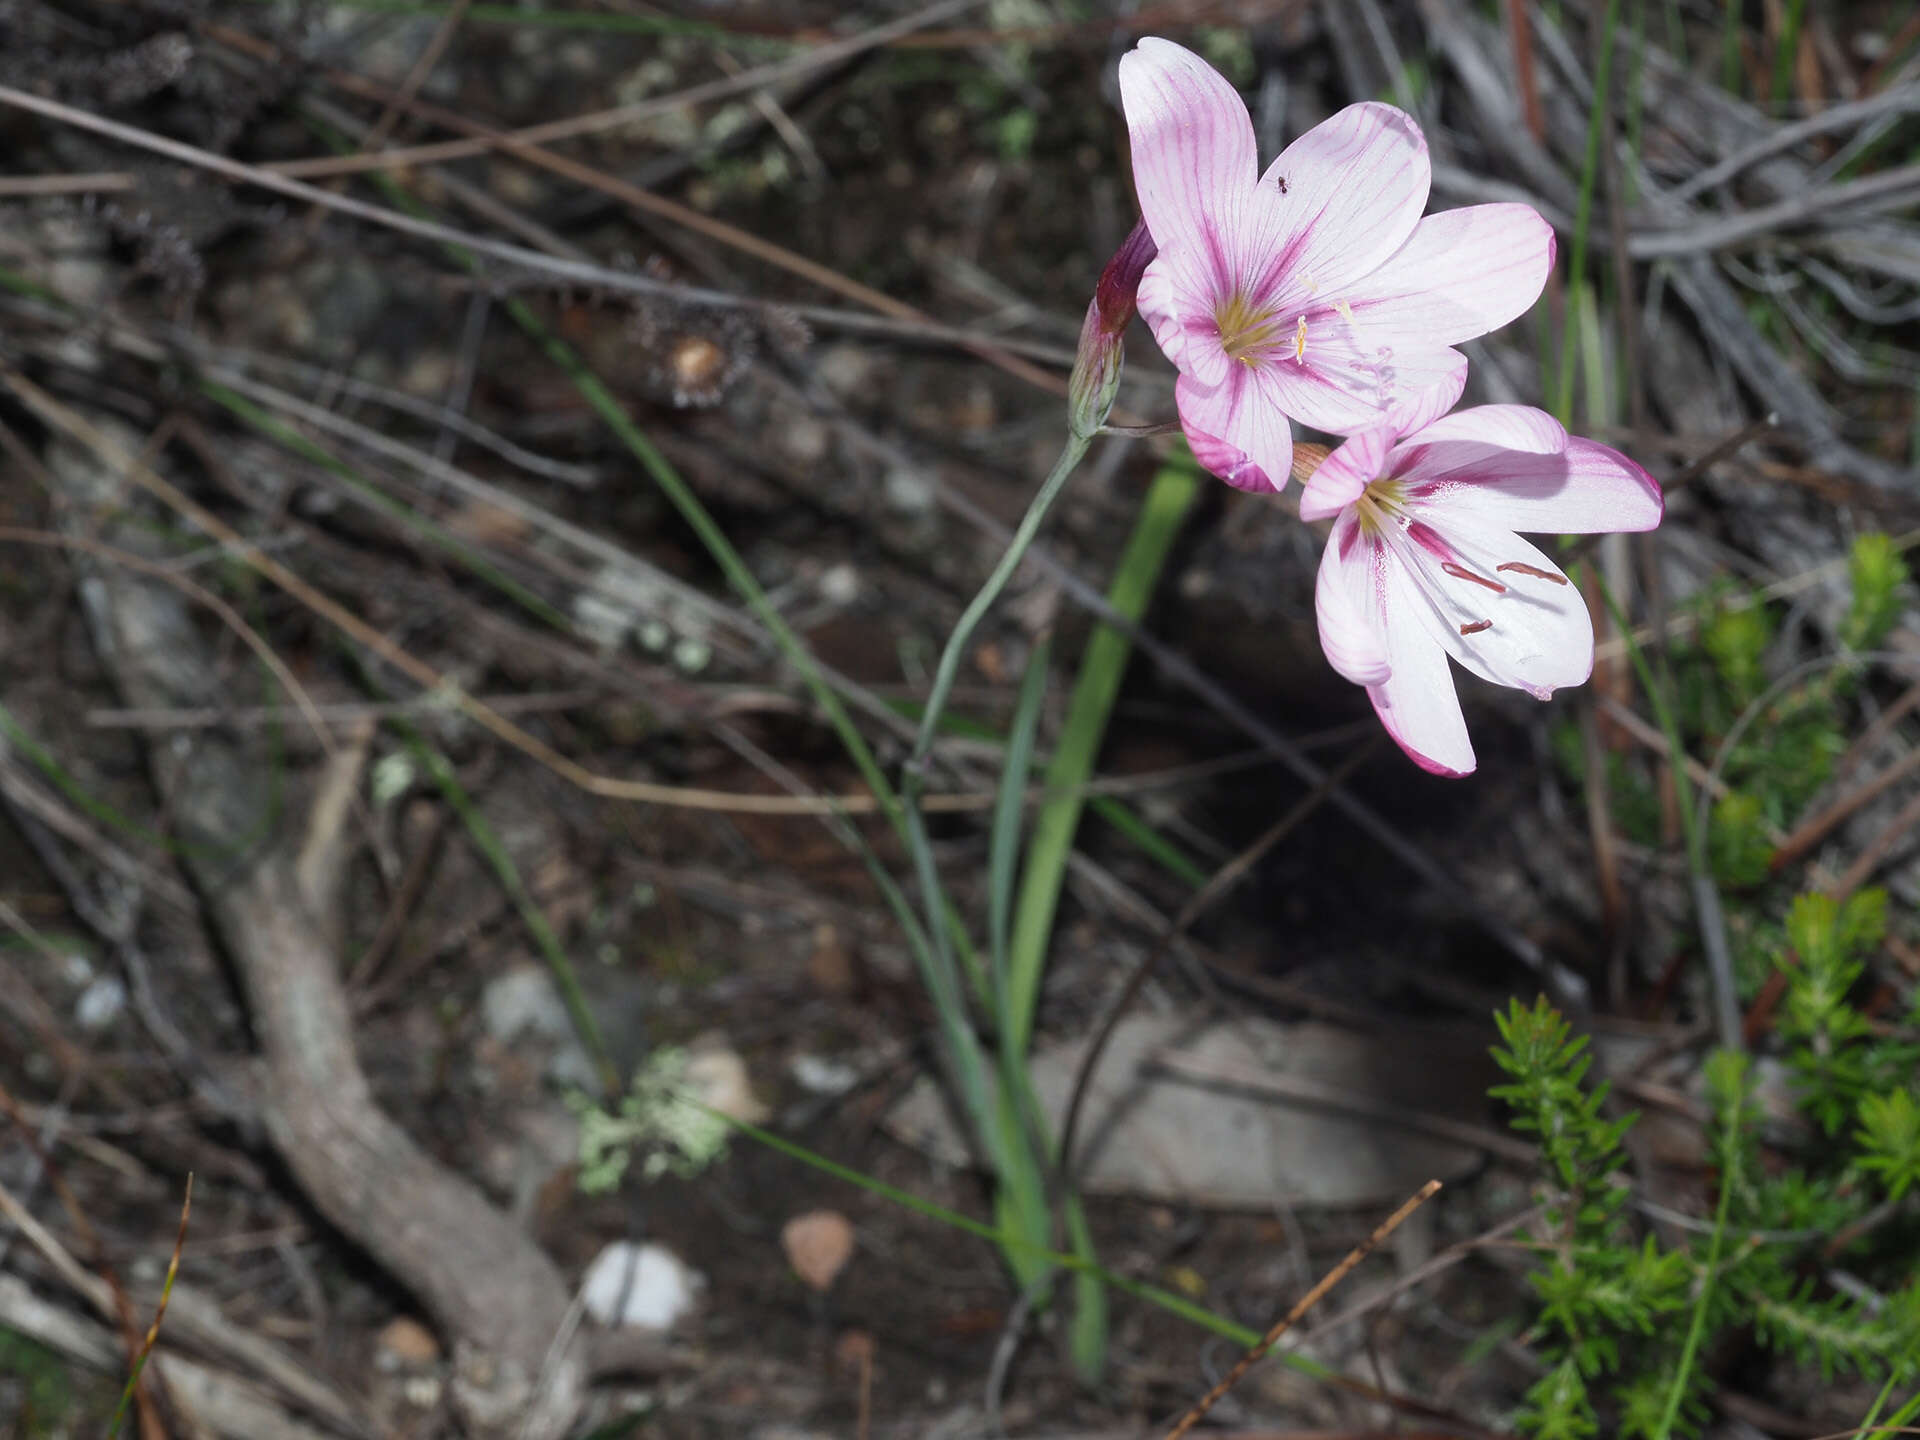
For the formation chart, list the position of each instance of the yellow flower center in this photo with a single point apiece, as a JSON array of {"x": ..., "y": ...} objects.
[
  {"x": 1247, "y": 332},
  {"x": 1378, "y": 503}
]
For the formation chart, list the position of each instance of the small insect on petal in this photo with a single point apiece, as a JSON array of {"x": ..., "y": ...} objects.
[
  {"x": 1476, "y": 627},
  {"x": 1534, "y": 570},
  {"x": 1460, "y": 572}
]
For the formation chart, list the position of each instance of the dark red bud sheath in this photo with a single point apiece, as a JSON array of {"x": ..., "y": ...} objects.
[
  {"x": 1120, "y": 281},
  {"x": 1096, "y": 369}
]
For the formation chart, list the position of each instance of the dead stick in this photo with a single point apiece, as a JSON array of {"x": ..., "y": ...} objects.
[{"x": 1307, "y": 1301}]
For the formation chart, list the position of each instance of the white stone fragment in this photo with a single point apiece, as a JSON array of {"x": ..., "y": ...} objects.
[{"x": 639, "y": 1286}]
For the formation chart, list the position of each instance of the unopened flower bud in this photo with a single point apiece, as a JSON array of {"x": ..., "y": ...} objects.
[{"x": 1096, "y": 368}]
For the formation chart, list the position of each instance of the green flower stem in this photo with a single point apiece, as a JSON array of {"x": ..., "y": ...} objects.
[{"x": 913, "y": 781}]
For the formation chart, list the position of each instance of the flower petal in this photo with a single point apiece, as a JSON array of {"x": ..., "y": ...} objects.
[
  {"x": 1194, "y": 156},
  {"x": 1507, "y": 427},
  {"x": 1417, "y": 702},
  {"x": 1176, "y": 299},
  {"x": 1235, "y": 431},
  {"x": 1461, "y": 273},
  {"x": 1586, "y": 488},
  {"x": 1428, "y": 405},
  {"x": 1340, "y": 389},
  {"x": 1345, "y": 473},
  {"x": 1347, "y": 605},
  {"x": 1520, "y": 623},
  {"x": 1352, "y": 189}
]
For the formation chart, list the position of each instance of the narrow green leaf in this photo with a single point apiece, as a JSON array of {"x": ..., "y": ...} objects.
[
  {"x": 1101, "y": 669},
  {"x": 1003, "y": 848}
]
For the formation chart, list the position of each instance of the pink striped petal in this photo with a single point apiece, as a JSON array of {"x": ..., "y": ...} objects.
[
  {"x": 1347, "y": 605},
  {"x": 1428, "y": 405},
  {"x": 1194, "y": 157},
  {"x": 1345, "y": 473},
  {"x": 1535, "y": 635},
  {"x": 1585, "y": 489},
  {"x": 1340, "y": 389},
  {"x": 1462, "y": 273},
  {"x": 1235, "y": 431},
  {"x": 1417, "y": 702},
  {"x": 1176, "y": 299},
  {"x": 1351, "y": 190},
  {"x": 1506, "y": 427}
]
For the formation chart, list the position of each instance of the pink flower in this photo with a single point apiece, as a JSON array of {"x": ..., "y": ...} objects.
[
  {"x": 1423, "y": 561},
  {"x": 1316, "y": 290}
]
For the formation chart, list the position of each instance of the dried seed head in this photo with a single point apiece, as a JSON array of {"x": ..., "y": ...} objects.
[{"x": 695, "y": 365}]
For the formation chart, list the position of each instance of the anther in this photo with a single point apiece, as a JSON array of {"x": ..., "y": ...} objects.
[
  {"x": 1476, "y": 627},
  {"x": 1460, "y": 572},
  {"x": 1300, "y": 339},
  {"x": 1534, "y": 570}
]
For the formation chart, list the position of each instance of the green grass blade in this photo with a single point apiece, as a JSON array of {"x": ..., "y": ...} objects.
[
  {"x": 1003, "y": 846},
  {"x": 1583, "y": 209},
  {"x": 1157, "y": 848},
  {"x": 1101, "y": 669},
  {"x": 1730, "y": 47},
  {"x": 1787, "y": 52},
  {"x": 440, "y": 770},
  {"x": 1165, "y": 1299},
  {"x": 1110, "y": 808},
  {"x": 1098, "y": 685},
  {"x": 1697, "y": 1323}
]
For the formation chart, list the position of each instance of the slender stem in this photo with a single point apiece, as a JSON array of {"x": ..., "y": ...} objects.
[
  {"x": 949, "y": 667},
  {"x": 913, "y": 780}
]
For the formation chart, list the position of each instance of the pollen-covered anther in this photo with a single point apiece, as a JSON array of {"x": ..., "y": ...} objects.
[
  {"x": 1522, "y": 568},
  {"x": 1476, "y": 627},
  {"x": 1460, "y": 572},
  {"x": 1300, "y": 340}
]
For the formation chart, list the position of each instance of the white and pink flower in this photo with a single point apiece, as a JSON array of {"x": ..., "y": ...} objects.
[
  {"x": 1423, "y": 562},
  {"x": 1316, "y": 290}
]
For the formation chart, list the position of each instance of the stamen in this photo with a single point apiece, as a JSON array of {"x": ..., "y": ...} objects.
[
  {"x": 1300, "y": 340},
  {"x": 1460, "y": 572},
  {"x": 1476, "y": 627},
  {"x": 1534, "y": 570}
]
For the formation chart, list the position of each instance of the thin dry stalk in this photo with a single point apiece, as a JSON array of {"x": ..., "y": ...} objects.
[
  {"x": 1306, "y": 1302},
  {"x": 1520, "y": 29},
  {"x": 1810, "y": 832},
  {"x": 376, "y": 138},
  {"x": 104, "y": 1291},
  {"x": 160, "y": 1310},
  {"x": 606, "y": 786},
  {"x": 1878, "y": 848},
  {"x": 14, "y": 186},
  {"x": 731, "y": 236}
]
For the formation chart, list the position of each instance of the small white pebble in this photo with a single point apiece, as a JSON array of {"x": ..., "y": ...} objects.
[
  {"x": 100, "y": 1004},
  {"x": 642, "y": 1286},
  {"x": 840, "y": 585}
]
